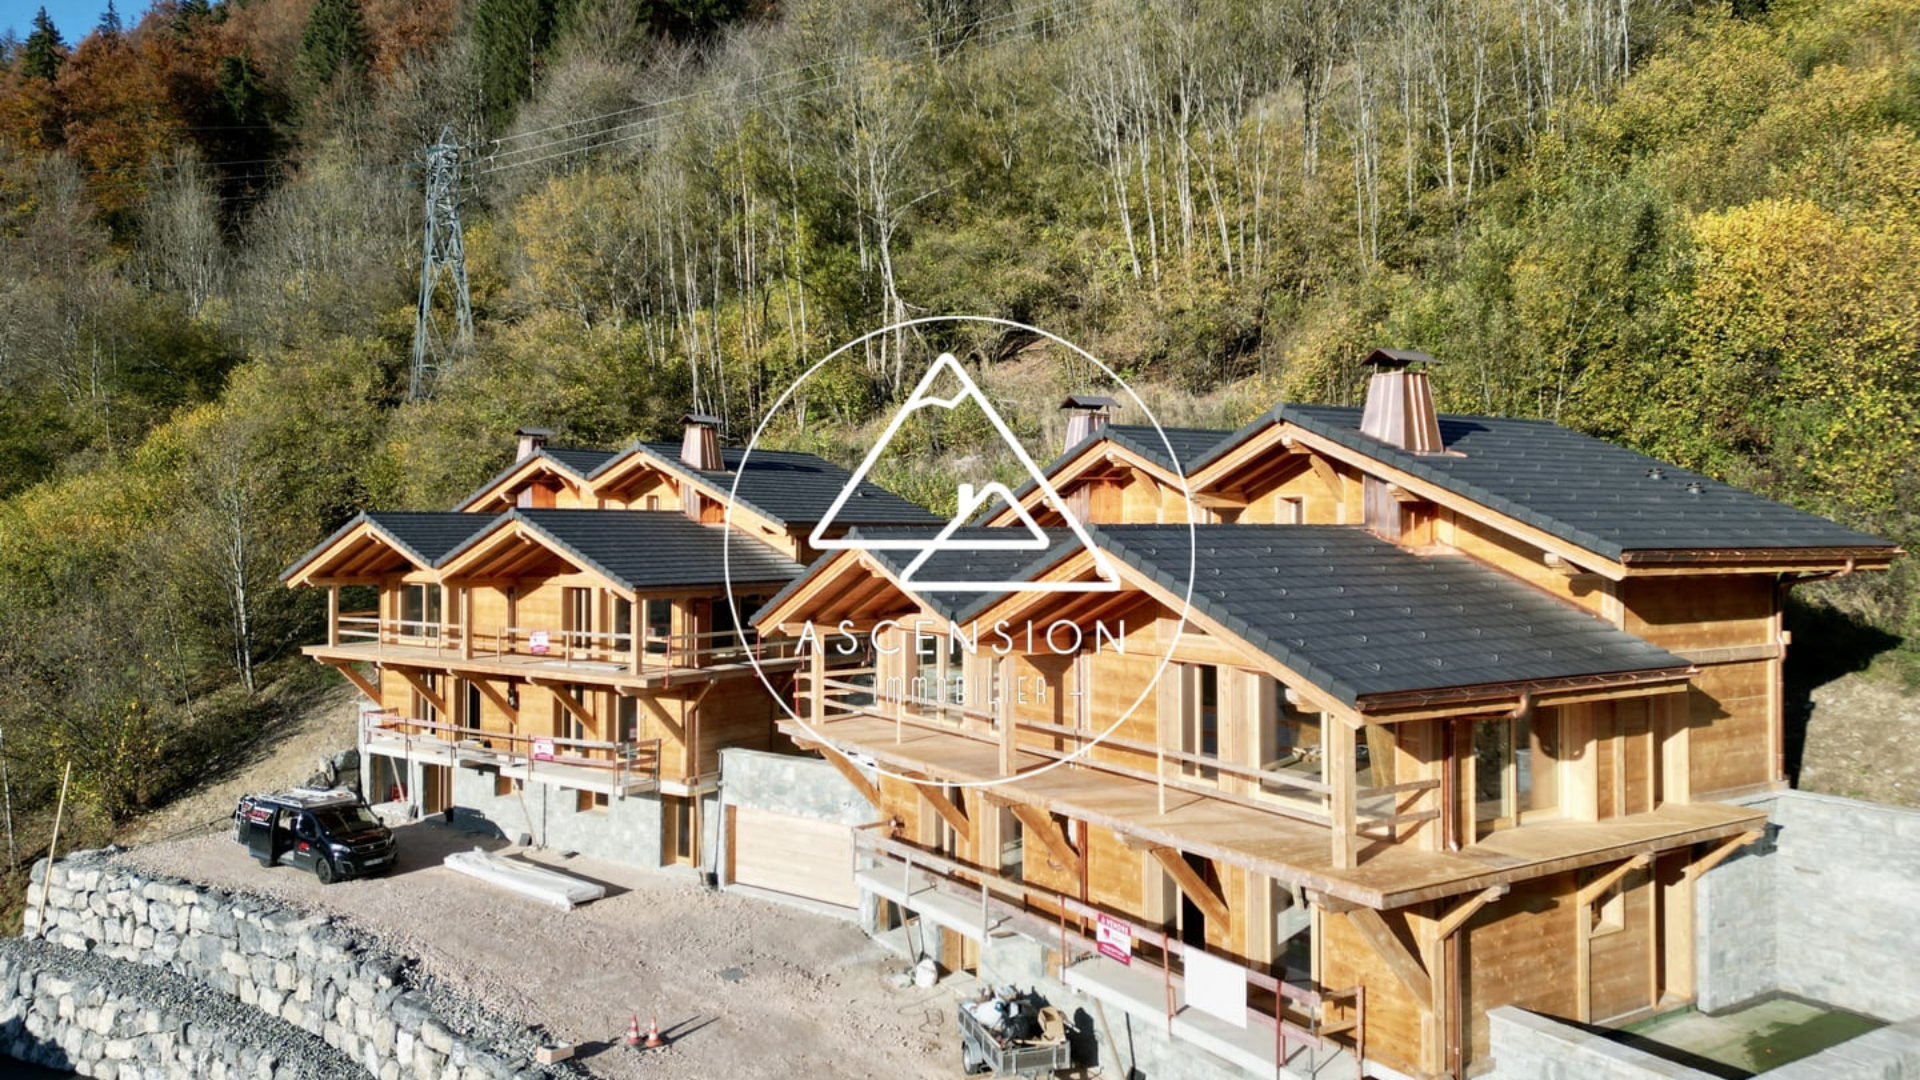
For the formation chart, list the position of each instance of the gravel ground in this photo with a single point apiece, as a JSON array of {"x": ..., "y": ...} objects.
[{"x": 801, "y": 994}]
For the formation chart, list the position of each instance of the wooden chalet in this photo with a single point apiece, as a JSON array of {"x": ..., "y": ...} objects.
[
  {"x": 560, "y": 654},
  {"x": 1439, "y": 726}
]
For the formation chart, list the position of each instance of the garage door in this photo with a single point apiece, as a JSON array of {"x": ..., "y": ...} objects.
[{"x": 794, "y": 855}]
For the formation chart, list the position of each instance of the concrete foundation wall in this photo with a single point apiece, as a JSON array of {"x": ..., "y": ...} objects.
[
  {"x": 625, "y": 831},
  {"x": 789, "y": 784},
  {"x": 1823, "y": 908},
  {"x": 1530, "y": 1047}
]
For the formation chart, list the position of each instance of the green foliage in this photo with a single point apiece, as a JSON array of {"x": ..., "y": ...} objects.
[
  {"x": 335, "y": 45},
  {"x": 44, "y": 51},
  {"x": 509, "y": 39}
]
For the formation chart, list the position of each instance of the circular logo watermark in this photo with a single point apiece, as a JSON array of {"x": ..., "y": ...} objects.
[{"x": 947, "y": 561}]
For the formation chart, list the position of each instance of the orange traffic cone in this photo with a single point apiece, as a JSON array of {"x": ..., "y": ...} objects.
[
  {"x": 633, "y": 1032},
  {"x": 654, "y": 1041}
]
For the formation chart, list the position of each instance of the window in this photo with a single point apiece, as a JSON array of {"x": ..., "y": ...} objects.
[
  {"x": 422, "y": 708},
  {"x": 1291, "y": 746},
  {"x": 926, "y": 672},
  {"x": 1012, "y": 843},
  {"x": 628, "y": 719},
  {"x": 1515, "y": 770},
  {"x": 1202, "y": 736},
  {"x": 570, "y": 725},
  {"x": 622, "y": 624},
  {"x": 420, "y": 611},
  {"x": 1289, "y": 510},
  {"x": 579, "y": 618},
  {"x": 659, "y": 624},
  {"x": 653, "y": 502}
]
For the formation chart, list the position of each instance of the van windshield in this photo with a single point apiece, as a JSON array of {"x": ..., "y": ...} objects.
[{"x": 342, "y": 819}]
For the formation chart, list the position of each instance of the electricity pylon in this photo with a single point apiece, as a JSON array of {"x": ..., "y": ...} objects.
[{"x": 444, "y": 258}]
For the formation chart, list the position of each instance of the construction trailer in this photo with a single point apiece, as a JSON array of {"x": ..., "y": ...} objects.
[{"x": 1424, "y": 715}]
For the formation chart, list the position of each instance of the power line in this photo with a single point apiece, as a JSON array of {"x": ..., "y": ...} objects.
[{"x": 628, "y": 131}]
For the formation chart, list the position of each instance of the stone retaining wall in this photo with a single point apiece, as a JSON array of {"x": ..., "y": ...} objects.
[
  {"x": 296, "y": 967},
  {"x": 84, "y": 1013}
]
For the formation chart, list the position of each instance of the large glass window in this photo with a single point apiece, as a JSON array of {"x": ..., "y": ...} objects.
[
  {"x": 1515, "y": 770},
  {"x": 622, "y": 624},
  {"x": 659, "y": 624},
  {"x": 1291, "y": 747},
  {"x": 420, "y": 611}
]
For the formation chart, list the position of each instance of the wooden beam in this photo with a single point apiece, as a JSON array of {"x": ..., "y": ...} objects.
[
  {"x": 1210, "y": 903},
  {"x": 1338, "y": 761},
  {"x": 499, "y": 701},
  {"x": 1329, "y": 476},
  {"x": 1466, "y": 909},
  {"x": 420, "y": 687},
  {"x": 345, "y": 667},
  {"x": 1040, "y": 824},
  {"x": 566, "y": 701},
  {"x": 937, "y": 798},
  {"x": 1720, "y": 853},
  {"x": 1373, "y": 929},
  {"x": 1593, "y": 889},
  {"x": 854, "y": 776}
]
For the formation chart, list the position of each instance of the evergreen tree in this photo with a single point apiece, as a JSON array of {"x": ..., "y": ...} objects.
[
  {"x": 334, "y": 44},
  {"x": 109, "y": 22},
  {"x": 508, "y": 38},
  {"x": 44, "y": 52}
]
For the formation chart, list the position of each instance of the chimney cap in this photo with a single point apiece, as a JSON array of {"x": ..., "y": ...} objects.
[
  {"x": 702, "y": 419},
  {"x": 535, "y": 432},
  {"x": 1089, "y": 401},
  {"x": 1395, "y": 359}
]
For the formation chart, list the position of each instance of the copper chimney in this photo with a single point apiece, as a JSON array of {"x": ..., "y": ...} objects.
[
  {"x": 1086, "y": 414},
  {"x": 700, "y": 445},
  {"x": 532, "y": 441},
  {"x": 1399, "y": 408}
]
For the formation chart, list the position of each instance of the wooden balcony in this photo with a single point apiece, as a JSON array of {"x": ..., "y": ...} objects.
[
  {"x": 1150, "y": 812},
  {"x": 633, "y": 660},
  {"x": 619, "y": 769}
]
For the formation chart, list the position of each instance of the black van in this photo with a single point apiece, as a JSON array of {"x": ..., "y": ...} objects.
[{"x": 331, "y": 833}]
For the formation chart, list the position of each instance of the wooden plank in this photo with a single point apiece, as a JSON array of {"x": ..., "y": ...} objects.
[
  {"x": 1040, "y": 824},
  {"x": 420, "y": 687},
  {"x": 499, "y": 701},
  {"x": 1329, "y": 476},
  {"x": 1210, "y": 903},
  {"x": 1719, "y": 853},
  {"x": 1592, "y": 889},
  {"x": 566, "y": 701},
  {"x": 1373, "y": 929},
  {"x": 1457, "y": 917},
  {"x": 360, "y": 682},
  {"x": 1339, "y": 764},
  {"x": 936, "y": 797},
  {"x": 845, "y": 766}
]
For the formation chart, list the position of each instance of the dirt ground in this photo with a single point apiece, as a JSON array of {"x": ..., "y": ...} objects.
[
  {"x": 1861, "y": 737},
  {"x": 742, "y": 987},
  {"x": 286, "y": 758}
]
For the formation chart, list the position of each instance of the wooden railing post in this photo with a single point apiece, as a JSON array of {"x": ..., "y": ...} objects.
[{"x": 333, "y": 615}]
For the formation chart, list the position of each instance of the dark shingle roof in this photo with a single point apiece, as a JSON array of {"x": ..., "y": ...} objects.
[
  {"x": 958, "y": 564},
  {"x": 639, "y": 549},
  {"x": 1189, "y": 444},
  {"x": 1585, "y": 490},
  {"x": 423, "y": 536},
  {"x": 793, "y": 488},
  {"x": 1359, "y": 616}
]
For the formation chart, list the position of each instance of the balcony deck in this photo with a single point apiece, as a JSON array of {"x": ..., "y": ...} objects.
[
  {"x": 1285, "y": 848},
  {"x": 654, "y": 674},
  {"x": 637, "y": 773}
]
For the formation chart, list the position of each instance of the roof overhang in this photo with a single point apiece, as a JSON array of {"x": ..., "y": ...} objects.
[
  {"x": 497, "y": 494},
  {"x": 1094, "y": 456},
  {"x": 516, "y": 548},
  {"x": 359, "y": 553}
]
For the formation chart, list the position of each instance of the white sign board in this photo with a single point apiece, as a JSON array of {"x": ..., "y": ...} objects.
[
  {"x": 1216, "y": 987},
  {"x": 1115, "y": 940}
]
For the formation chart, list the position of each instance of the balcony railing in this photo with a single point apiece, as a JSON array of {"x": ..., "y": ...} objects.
[
  {"x": 1317, "y": 1017},
  {"x": 638, "y": 653},
  {"x": 622, "y": 767}
]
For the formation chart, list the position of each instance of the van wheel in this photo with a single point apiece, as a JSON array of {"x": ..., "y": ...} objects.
[{"x": 325, "y": 872}]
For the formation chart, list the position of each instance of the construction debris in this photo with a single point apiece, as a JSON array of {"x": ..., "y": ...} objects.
[{"x": 549, "y": 887}]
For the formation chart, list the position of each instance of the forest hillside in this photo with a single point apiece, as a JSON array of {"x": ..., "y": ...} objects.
[{"x": 1690, "y": 228}]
